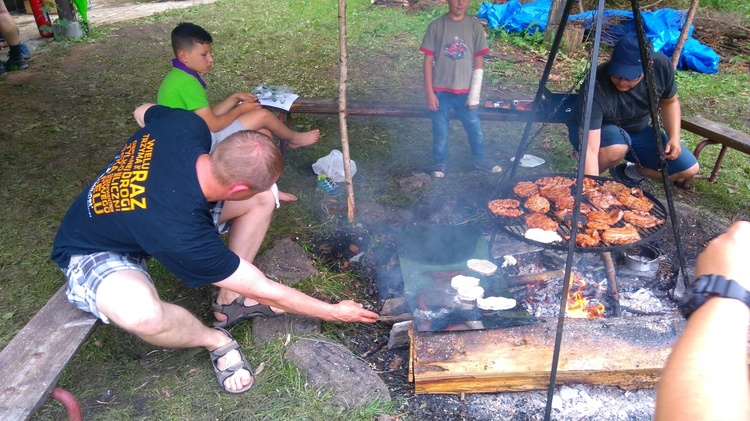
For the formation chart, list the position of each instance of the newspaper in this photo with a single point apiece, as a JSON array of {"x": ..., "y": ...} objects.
[{"x": 281, "y": 97}]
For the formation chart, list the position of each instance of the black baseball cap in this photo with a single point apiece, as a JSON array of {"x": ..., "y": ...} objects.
[{"x": 626, "y": 58}]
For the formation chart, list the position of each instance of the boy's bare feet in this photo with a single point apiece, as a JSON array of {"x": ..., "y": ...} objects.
[
  {"x": 287, "y": 197},
  {"x": 304, "y": 139}
]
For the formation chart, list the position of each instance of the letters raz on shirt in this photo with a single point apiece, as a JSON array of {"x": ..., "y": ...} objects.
[{"x": 120, "y": 188}]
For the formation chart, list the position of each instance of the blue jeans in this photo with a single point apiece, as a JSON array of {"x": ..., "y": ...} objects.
[
  {"x": 642, "y": 150},
  {"x": 441, "y": 125}
]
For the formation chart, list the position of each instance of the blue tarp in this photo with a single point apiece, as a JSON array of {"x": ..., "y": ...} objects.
[{"x": 662, "y": 28}]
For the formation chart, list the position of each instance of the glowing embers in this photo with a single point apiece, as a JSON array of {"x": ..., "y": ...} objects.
[
  {"x": 582, "y": 299},
  {"x": 587, "y": 298}
]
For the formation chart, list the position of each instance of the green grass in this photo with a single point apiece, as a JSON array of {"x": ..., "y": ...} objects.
[{"x": 63, "y": 128}]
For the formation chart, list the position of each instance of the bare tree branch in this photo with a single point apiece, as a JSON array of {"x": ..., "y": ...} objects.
[{"x": 342, "y": 110}]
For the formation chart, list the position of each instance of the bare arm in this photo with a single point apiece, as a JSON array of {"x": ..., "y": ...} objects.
[
  {"x": 232, "y": 100},
  {"x": 432, "y": 101},
  {"x": 223, "y": 114},
  {"x": 140, "y": 113},
  {"x": 251, "y": 283},
  {"x": 706, "y": 376},
  {"x": 671, "y": 115},
  {"x": 591, "y": 167}
]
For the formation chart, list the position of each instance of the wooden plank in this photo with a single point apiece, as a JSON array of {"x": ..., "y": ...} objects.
[
  {"x": 717, "y": 133},
  {"x": 329, "y": 106},
  {"x": 626, "y": 352},
  {"x": 31, "y": 364}
]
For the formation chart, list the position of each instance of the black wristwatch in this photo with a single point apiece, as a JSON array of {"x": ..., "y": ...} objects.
[{"x": 708, "y": 286}]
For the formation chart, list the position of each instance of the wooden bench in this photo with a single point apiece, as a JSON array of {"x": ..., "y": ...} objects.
[
  {"x": 31, "y": 364},
  {"x": 714, "y": 133},
  {"x": 330, "y": 106}
]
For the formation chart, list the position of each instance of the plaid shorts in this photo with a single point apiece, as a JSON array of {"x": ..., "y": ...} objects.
[
  {"x": 86, "y": 272},
  {"x": 223, "y": 227}
]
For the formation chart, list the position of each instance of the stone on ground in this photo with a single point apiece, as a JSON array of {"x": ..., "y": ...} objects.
[
  {"x": 286, "y": 262},
  {"x": 330, "y": 365}
]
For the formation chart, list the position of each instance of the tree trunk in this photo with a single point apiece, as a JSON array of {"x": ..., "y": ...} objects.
[
  {"x": 684, "y": 33},
  {"x": 342, "y": 110},
  {"x": 64, "y": 9},
  {"x": 553, "y": 20},
  {"x": 573, "y": 35}
]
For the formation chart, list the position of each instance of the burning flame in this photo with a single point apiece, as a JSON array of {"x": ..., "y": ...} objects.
[{"x": 579, "y": 306}]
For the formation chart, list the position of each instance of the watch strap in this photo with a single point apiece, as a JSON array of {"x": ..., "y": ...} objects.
[{"x": 707, "y": 286}]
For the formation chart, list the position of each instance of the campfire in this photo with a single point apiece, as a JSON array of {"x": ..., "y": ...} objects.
[
  {"x": 615, "y": 290},
  {"x": 579, "y": 305},
  {"x": 586, "y": 297},
  {"x": 538, "y": 288},
  {"x": 599, "y": 347}
]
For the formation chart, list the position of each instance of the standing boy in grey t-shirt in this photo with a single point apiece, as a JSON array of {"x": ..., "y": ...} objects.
[{"x": 454, "y": 48}]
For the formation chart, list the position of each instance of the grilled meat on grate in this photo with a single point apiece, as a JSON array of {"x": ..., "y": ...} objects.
[
  {"x": 542, "y": 221},
  {"x": 641, "y": 219},
  {"x": 537, "y": 204},
  {"x": 620, "y": 236},
  {"x": 525, "y": 189},
  {"x": 505, "y": 207}
]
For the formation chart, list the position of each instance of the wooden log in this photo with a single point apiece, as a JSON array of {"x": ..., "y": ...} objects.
[
  {"x": 572, "y": 39},
  {"x": 397, "y": 318},
  {"x": 514, "y": 281},
  {"x": 611, "y": 273},
  {"x": 625, "y": 352}
]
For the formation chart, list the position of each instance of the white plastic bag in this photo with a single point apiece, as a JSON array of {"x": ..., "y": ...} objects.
[{"x": 332, "y": 165}]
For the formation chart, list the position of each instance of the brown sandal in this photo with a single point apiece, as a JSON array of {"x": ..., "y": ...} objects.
[{"x": 237, "y": 311}]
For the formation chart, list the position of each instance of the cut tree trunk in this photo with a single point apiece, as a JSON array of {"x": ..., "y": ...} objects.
[{"x": 573, "y": 33}]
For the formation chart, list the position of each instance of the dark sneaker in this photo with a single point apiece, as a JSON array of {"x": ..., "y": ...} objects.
[
  {"x": 488, "y": 166},
  {"x": 438, "y": 171},
  {"x": 328, "y": 186},
  {"x": 17, "y": 63},
  {"x": 618, "y": 174}
]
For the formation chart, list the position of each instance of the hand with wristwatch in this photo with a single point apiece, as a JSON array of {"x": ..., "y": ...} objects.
[
  {"x": 722, "y": 270},
  {"x": 706, "y": 374}
]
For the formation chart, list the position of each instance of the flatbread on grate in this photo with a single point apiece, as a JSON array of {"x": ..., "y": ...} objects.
[{"x": 484, "y": 267}]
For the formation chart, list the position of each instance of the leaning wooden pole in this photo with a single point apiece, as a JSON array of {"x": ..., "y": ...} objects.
[
  {"x": 342, "y": 110},
  {"x": 684, "y": 33}
]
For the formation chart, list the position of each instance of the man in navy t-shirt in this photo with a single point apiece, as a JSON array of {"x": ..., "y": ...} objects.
[
  {"x": 620, "y": 121},
  {"x": 165, "y": 196}
]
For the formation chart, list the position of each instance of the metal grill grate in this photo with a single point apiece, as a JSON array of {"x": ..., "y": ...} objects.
[{"x": 516, "y": 227}]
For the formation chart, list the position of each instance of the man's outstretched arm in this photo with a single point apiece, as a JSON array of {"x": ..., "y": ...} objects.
[{"x": 250, "y": 282}]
